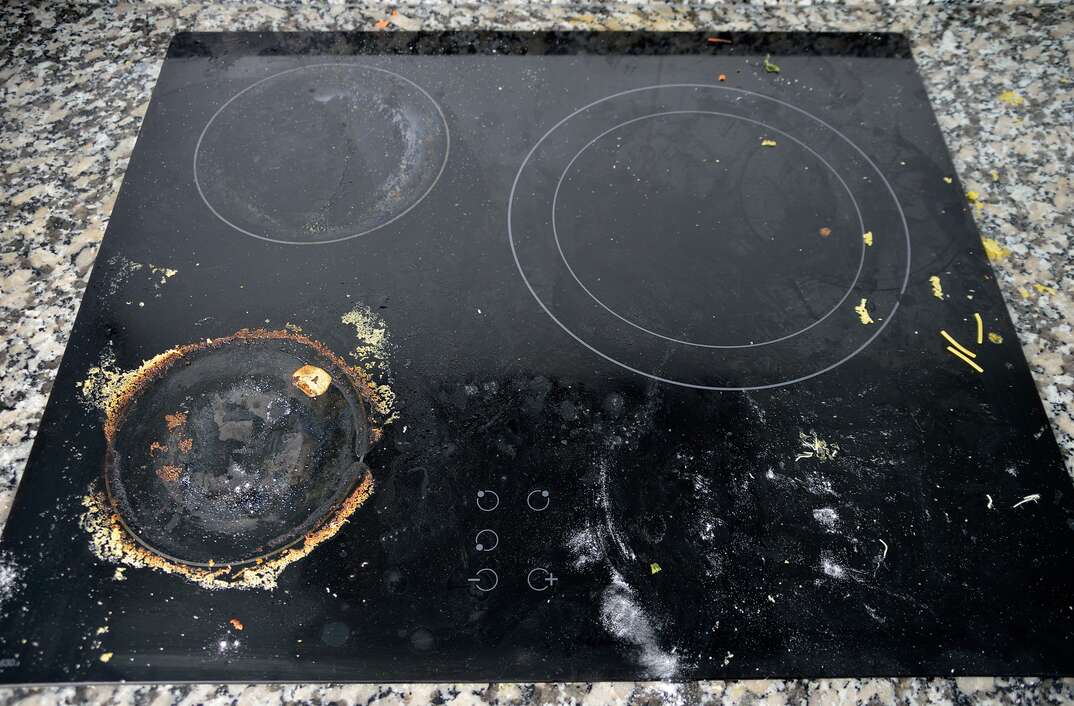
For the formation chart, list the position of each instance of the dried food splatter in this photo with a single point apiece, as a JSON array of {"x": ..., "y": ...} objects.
[
  {"x": 862, "y": 310},
  {"x": 313, "y": 381},
  {"x": 993, "y": 250},
  {"x": 112, "y": 390},
  {"x": 937, "y": 287},
  {"x": 1011, "y": 98},
  {"x": 815, "y": 447}
]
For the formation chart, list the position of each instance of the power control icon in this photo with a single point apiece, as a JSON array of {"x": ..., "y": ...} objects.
[
  {"x": 538, "y": 500},
  {"x": 487, "y": 500},
  {"x": 541, "y": 579},
  {"x": 484, "y": 580}
]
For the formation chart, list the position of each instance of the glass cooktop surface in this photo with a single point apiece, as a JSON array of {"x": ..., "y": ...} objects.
[{"x": 487, "y": 356}]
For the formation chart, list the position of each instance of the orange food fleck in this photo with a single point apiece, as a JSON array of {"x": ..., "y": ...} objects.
[
  {"x": 723, "y": 77},
  {"x": 381, "y": 24},
  {"x": 825, "y": 232},
  {"x": 236, "y": 623},
  {"x": 395, "y": 13},
  {"x": 169, "y": 474},
  {"x": 155, "y": 447},
  {"x": 313, "y": 381},
  {"x": 718, "y": 40},
  {"x": 174, "y": 421},
  {"x": 185, "y": 445}
]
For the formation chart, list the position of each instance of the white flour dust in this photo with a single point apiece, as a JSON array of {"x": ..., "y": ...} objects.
[
  {"x": 827, "y": 518},
  {"x": 624, "y": 618}
]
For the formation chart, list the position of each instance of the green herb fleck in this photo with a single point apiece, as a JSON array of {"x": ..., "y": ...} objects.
[{"x": 769, "y": 66}]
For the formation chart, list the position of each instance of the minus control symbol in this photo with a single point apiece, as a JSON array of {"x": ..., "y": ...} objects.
[{"x": 484, "y": 580}]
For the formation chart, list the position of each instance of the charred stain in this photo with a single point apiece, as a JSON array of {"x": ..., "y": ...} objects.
[{"x": 222, "y": 469}]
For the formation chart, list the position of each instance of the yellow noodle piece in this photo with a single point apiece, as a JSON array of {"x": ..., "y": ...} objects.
[
  {"x": 956, "y": 344},
  {"x": 965, "y": 360}
]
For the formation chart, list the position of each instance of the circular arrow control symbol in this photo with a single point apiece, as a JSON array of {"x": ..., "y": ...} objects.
[
  {"x": 486, "y": 540},
  {"x": 537, "y": 500}
]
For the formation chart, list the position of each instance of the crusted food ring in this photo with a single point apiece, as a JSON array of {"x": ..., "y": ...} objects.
[{"x": 219, "y": 464}]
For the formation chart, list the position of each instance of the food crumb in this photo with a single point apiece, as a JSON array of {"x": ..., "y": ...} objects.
[
  {"x": 769, "y": 67},
  {"x": 120, "y": 574},
  {"x": 994, "y": 337},
  {"x": 723, "y": 77},
  {"x": 1045, "y": 289},
  {"x": 815, "y": 447},
  {"x": 973, "y": 196},
  {"x": 948, "y": 180},
  {"x": 825, "y": 232},
  {"x": 993, "y": 250},
  {"x": 105, "y": 657},
  {"x": 863, "y": 313},
  {"x": 937, "y": 288},
  {"x": 175, "y": 421},
  {"x": 768, "y": 143},
  {"x": 1011, "y": 98},
  {"x": 169, "y": 473},
  {"x": 868, "y": 238},
  {"x": 236, "y": 623},
  {"x": 654, "y": 568},
  {"x": 313, "y": 381}
]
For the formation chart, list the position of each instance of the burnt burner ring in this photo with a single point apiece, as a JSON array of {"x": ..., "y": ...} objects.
[{"x": 223, "y": 454}]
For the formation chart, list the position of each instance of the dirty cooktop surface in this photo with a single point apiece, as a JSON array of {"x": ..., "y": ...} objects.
[{"x": 539, "y": 357}]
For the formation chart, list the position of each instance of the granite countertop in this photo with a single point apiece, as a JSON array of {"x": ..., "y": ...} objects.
[{"x": 76, "y": 81}]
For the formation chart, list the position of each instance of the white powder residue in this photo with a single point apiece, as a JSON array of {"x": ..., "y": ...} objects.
[
  {"x": 10, "y": 578},
  {"x": 826, "y": 517},
  {"x": 586, "y": 547},
  {"x": 830, "y": 568},
  {"x": 624, "y": 618},
  {"x": 605, "y": 502}
]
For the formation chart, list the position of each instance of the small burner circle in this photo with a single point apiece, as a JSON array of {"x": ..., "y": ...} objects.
[{"x": 321, "y": 153}]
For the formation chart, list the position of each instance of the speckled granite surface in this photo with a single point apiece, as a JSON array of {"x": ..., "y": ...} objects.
[{"x": 76, "y": 80}]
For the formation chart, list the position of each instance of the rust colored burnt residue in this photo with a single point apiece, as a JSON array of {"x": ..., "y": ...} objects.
[
  {"x": 134, "y": 382},
  {"x": 185, "y": 445},
  {"x": 169, "y": 474},
  {"x": 111, "y": 542},
  {"x": 175, "y": 421}
]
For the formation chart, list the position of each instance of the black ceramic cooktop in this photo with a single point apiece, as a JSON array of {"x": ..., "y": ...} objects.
[{"x": 540, "y": 357}]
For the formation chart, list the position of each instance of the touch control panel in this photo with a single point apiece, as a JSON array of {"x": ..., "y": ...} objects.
[{"x": 497, "y": 561}]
